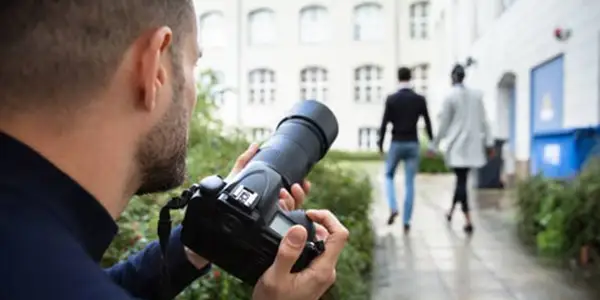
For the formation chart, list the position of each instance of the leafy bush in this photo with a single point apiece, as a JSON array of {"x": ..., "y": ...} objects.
[
  {"x": 435, "y": 164},
  {"x": 346, "y": 193},
  {"x": 561, "y": 217},
  {"x": 354, "y": 155},
  {"x": 432, "y": 164}
]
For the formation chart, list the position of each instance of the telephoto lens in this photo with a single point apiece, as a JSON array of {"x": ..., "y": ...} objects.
[{"x": 301, "y": 139}]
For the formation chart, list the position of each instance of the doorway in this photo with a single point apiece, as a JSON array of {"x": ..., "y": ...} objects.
[{"x": 507, "y": 118}]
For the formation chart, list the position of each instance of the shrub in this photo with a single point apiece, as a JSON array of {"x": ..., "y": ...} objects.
[
  {"x": 346, "y": 193},
  {"x": 561, "y": 217},
  {"x": 428, "y": 164}
]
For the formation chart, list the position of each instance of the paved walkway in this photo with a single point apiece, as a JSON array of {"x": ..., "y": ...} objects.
[{"x": 438, "y": 261}]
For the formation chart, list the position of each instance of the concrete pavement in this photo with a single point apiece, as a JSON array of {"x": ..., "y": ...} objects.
[{"x": 438, "y": 260}]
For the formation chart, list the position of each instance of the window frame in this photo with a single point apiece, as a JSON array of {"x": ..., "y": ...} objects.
[
  {"x": 378, "y": 26},
  {"x": 318, "y": 87},
  {"x": 253, "y": 33},
  {"x": 201, "y": 27},
  {"x": 373, "y": 85},
  {"x": 372, "y": 134},
  {"x": 326, "y": 22},
  {"x": 268, "y": 97},
  {"x": 421, "y": 21}
]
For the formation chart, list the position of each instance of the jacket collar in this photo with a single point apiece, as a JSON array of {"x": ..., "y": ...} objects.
[
  {"x": 27, "y": 172},
  {"x": 405, "y": 86}
]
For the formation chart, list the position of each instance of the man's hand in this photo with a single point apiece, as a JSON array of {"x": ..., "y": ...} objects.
[
  {"x": 491, "y": 152},
  {"x": 287, "y": 201},
  {"x": 278, "y": 283},
  {"x": 431, "y": 151}
]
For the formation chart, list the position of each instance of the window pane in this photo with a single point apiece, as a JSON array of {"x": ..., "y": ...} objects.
[
  {"x": 262, "y": 86},
  {"x": 212, "y": 32},
  {"x": 262, "y": 27},
  {"x": 368, "y": 23},
  {"x": 314, "y": 25}
]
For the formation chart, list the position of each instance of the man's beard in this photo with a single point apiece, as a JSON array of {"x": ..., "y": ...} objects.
[{"x": 162, "y": 154}]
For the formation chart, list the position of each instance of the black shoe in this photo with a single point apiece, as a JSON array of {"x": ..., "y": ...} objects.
[
  {"x": 469, "y": 229},
  {"x": 406, "y": 228},
  {"x": 449, "y": 217},
  {"x": 392, "y": 218}
]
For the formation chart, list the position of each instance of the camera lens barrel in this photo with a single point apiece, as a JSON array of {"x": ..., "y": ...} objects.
[{"x": 301, "y": 139}]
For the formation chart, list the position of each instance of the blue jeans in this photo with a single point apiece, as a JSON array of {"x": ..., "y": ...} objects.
[{"x": 409, "y": 153}]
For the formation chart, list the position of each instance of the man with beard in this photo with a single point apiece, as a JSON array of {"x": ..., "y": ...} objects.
[{"x": 95, "y": 101}]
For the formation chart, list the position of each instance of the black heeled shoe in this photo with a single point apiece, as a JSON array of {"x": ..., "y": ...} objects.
[{"x": 469, "y": 229}]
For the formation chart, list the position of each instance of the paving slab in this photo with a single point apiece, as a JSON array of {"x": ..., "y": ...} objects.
[{"x": 437, "y": 260}]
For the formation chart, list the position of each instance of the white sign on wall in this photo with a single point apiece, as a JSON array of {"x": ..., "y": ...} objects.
[
  {"x": 546, "y": 111},
  {"x": 552, "y": 154}
]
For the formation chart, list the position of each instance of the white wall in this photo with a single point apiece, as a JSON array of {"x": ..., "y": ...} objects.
[
  {"x": 411, "y": 51},
  {"x": 340, "y": 56},
  {"x": 516, "y": 41}
]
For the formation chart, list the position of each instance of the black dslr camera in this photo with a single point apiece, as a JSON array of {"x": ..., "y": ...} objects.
[{"x": 238, "y": 224}]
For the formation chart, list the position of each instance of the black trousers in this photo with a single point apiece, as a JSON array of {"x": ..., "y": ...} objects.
[{"x": 460, "y": 191}]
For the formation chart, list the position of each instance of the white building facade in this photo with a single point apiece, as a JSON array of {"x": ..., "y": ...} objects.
[
  {"x": 269, "y": 54},
  {"x": 537, "y": 62}
]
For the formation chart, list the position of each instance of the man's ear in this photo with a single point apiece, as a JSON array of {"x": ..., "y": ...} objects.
[{"x": 153, "y": 70}]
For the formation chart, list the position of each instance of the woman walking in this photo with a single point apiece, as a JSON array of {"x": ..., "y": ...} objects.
[{"x": 464, "y": 127}]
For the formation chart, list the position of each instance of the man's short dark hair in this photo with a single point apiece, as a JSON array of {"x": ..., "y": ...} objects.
[
  {"x": 54, "y": 51},
  {"x": 404, "y": 74}
]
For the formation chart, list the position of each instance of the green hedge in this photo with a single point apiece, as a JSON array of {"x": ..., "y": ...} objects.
[
  {"x": 427, "y": 164},
  {"x": 558, "y": 218},
  {"x": 346, "y": 193}
]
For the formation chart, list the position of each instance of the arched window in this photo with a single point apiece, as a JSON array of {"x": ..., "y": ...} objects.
[
  {"x": 368, "y": 84},
  {"x": 315, "y": 25},
  {"x": 262, "y": 86},
  {"x": 313, "y": 84},
  {"x": 212, "y": 31},
  {"x": 261, "y": 27},
  {"x": 368, "y": 22},
  {"x": 419, "y": 16}
]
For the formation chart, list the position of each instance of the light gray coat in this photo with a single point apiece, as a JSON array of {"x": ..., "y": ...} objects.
[{"x": 464, "y": 128}]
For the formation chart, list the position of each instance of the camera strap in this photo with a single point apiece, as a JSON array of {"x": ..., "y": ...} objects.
[{"x": 164, "y": 234}]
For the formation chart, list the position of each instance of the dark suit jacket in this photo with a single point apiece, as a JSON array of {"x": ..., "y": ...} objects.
[{"x": 403, "y": 109}]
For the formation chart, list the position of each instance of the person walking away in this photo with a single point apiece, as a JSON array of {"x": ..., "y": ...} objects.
[
  {"x": 465, "y": 128},
  {"x": 403, "y": 109}
]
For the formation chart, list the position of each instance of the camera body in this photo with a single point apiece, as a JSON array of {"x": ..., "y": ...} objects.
[
  {"x": 238, "y": 225},
  {"x": 225, "y": 224}
]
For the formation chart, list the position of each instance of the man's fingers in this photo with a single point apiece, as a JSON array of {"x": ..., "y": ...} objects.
[
  {"x": 286, "y": 199},
  {"x": 338, "y": 235},
  {"x": 298, "y": 195},
  {"x": 245, "y": 157},
  {"x": 306, "y": 186},
  {"x": 321, "y": 233},
  {"x": 289, "y": 251}
]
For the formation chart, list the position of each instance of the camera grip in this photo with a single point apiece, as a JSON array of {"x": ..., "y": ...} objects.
[
  {"x": 313, "y": 248},
  {"x": 300, "y": 218}
]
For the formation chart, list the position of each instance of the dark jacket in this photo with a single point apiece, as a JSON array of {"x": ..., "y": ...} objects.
[
  {"x": 53, "y": 234},
  {"x": 403, "y": 109}
]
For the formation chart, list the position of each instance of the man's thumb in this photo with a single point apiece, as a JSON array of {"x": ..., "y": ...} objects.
[{"x": 289, "y": 250}]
